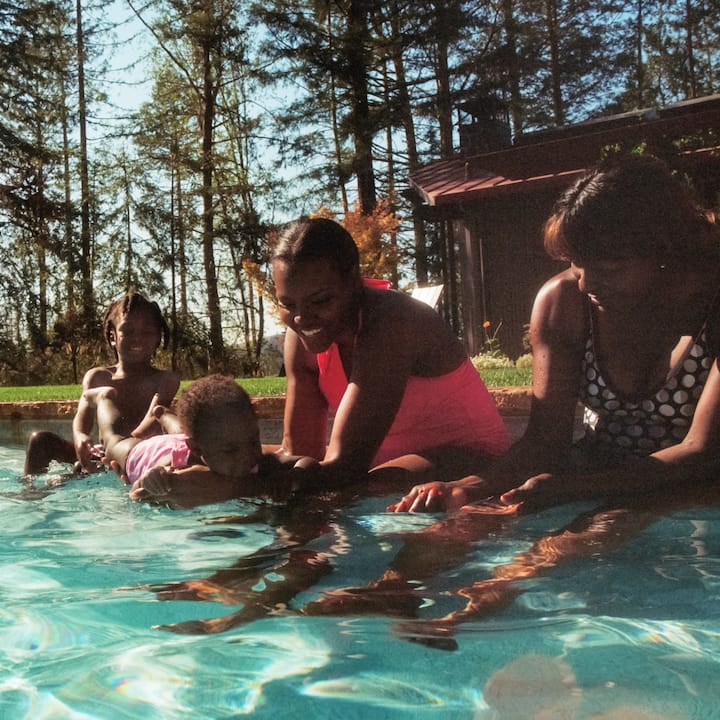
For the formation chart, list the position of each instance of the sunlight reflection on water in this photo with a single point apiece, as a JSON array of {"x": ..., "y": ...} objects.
[{"x": 82, "y": 567}]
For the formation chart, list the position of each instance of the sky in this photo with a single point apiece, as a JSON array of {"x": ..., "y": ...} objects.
[
  {"x": 125, "y": 81},
  {"x": 127, "y": 85}
]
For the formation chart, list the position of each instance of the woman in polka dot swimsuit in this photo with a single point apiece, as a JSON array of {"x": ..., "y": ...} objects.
[
  {"x": 630, "y": 329},
  {"x": 644, "y": 426}
]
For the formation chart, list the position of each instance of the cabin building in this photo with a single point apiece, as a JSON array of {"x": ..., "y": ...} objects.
[{"x": 494, "y": 196}]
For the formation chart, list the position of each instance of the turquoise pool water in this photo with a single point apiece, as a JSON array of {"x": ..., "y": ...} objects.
[{"x": 87, "y": 576}]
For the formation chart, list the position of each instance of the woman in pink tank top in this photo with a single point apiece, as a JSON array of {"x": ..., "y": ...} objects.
[{"x": 386, "y": 367}]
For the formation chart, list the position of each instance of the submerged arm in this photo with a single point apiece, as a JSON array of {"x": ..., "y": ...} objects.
[
  {"x": 306, "y": 411},
  {"x": 199, "y": 485}
]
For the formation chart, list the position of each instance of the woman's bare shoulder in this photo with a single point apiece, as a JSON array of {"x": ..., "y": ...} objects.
[
  {"x": 406, "y": 328},
  {"x": 385, "y": 307},
  {"x": 560, "y": 306}
]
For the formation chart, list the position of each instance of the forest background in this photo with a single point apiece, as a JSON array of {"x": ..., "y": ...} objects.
[{"x": 258, "y": 113}]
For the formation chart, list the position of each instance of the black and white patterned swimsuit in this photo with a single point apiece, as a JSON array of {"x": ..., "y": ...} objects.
[{"x": 643, "y": 426}]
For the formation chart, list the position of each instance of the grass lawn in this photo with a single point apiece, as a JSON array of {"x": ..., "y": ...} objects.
[{"x": 499, "y": 377}]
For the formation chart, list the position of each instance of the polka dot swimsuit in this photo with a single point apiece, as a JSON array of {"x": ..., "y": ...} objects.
[{"x": 643, "y": 426}]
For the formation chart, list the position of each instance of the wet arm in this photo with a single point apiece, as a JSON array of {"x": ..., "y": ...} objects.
[
  {"x": 306, "y": 411},
  {"x": 694, "y": 460},
  {"x": 382, "y": 364},
  {"x": 557, "y": 333},
  {"x": 84, "y": 419},
  {"x": 198, "y": 485}
]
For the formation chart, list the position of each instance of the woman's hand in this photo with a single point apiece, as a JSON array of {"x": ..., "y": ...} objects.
[
  {"x": 306, "y": 463},
  {"x": 434, "y": 497},
  {"x": 538, "y": 492}
]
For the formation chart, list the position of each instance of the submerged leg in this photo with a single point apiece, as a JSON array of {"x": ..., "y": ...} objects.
[
  {"x": 264, "y": 581},
  {"x": 44, "y": 446},
  {"x": 302, "y": 570},
  {"x": 590, "y": 534}
]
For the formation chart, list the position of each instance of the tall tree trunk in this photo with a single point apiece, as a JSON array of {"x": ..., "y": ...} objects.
[
  {"x": 408, "y": 123},
  {"x": 555, "y": 79},
  {"x": 88, "y": 301},
  {"x": 513, "y": 66},
  {"x": 217, "y": 350},
  {"x": 68, "y": 246},
  {"x": 181, "y": 257},
  {"x": 639, "y": 59},
  {"x": 337, "y": 140},
  {"x": 173, "y": 242},
  {"x": 357, "y": 37},
  {"x": 442, "y": 79},
  {"x": 692, "y": 89},
  {"x": 128, "y": 229}
]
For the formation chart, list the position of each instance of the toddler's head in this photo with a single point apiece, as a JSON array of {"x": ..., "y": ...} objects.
[{"x": 218, "y": 418}]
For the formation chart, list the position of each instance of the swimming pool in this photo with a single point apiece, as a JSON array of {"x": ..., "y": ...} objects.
[{"x": 87, "y": 576}]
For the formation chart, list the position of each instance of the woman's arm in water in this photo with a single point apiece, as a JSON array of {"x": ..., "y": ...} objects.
[{"x": 557, "y": 332}]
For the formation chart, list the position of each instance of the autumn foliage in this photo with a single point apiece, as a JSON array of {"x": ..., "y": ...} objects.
[{"x": 375, "y": 235}]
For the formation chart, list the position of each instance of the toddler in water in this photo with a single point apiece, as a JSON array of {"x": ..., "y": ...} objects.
[
  {"x": 211, "y": 453},
  {"x": 134, "y": 328}
]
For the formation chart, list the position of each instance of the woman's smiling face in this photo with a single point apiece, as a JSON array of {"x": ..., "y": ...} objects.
[{"x": 316, "y": 301}]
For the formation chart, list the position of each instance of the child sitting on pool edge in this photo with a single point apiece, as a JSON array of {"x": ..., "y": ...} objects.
[
  {"x": 211, "y": 453},
  {"x": 134, "y": 328}
]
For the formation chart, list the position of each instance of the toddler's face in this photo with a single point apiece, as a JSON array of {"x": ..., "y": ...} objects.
[{"x": 229, "y": 441}]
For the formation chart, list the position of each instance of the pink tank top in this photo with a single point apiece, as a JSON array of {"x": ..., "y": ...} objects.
[{"x": 455, "y": 409}]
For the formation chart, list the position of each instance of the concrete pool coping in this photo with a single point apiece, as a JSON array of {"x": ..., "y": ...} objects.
[
  {"x": 19, "y": 419},
  {"x": 510, "y": 401}
]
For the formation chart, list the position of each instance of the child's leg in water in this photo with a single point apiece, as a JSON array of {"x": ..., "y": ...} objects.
[
  {"x": 292, "y": 567},
  {"x": 44, "y": 446}
]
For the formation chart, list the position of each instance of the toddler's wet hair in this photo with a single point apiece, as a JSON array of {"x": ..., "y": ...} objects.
[
  {"x": 123, "y": 306},
  {"x": 204, "y": 396}
]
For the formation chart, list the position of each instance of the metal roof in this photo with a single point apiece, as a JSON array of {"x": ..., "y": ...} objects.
[{"x": 554, "y": 158}]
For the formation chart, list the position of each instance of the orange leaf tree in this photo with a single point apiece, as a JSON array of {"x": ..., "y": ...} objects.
[{"x": 375, "y": 235}]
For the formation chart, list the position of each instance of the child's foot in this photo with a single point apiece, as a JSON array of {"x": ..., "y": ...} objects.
[{"x": 148, "y": 424}]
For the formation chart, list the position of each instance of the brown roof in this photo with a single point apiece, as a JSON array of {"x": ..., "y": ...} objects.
[{"x": 555, "y": 157}]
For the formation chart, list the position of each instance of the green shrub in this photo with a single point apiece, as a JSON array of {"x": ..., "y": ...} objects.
[{"x": 492, "y": 359}]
